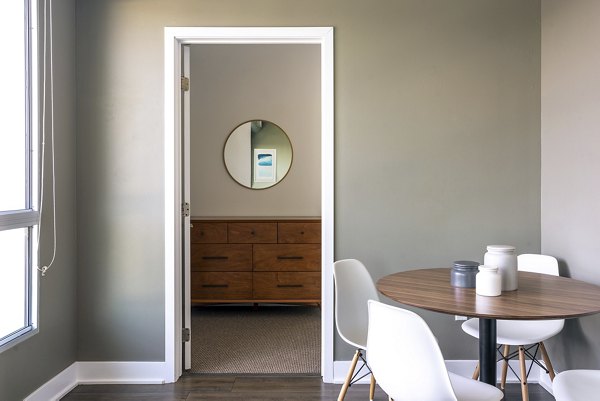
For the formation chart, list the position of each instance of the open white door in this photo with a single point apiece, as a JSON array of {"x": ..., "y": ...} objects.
[{"x": 186, "y": 223}]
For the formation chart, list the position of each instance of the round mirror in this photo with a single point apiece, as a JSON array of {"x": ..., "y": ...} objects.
[{"x": 258, "y": 154}]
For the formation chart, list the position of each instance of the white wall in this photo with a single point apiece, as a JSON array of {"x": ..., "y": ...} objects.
[
  {"x": 232, "y": 84},
  {"x": 571, "y": 161}
]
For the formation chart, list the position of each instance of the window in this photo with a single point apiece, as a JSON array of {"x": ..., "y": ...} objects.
[{"x": 18, "y": 175}]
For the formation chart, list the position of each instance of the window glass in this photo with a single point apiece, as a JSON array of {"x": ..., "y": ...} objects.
[
  {"x": 13, "y": 280},
  {"x": 13, "y": 100}
]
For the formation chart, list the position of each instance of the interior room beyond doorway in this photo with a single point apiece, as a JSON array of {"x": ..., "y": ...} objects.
[{"x": 229, "y": 85}]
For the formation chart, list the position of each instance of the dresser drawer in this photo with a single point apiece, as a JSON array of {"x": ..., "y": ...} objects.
[
  {"x": 285, "y": 285},
  {"x": 207, "y": 232},
  {"x": 221, "y": 286},
  {"x": 252, "y": 233},
  {"x": 221, "y": 257},
  {"x": 287, "y": 257},
  {"x": 299, "y": 233}
]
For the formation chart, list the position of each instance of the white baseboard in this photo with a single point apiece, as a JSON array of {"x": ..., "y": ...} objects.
[
  {"x": 121, "y": 372},
  {"x": 56, "y": 387},
  {"x": 99, "y": 373},
  {"x": 340, "y": 371},
  {"x": 544, "y": 380},
  {"x": 154, "y": 373}
]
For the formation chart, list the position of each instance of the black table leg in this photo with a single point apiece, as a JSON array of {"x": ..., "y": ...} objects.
[{"x": 487, "y": 351}]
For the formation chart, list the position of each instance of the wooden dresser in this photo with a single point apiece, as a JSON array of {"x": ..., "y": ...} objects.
[{"x": 275, "y": 260}]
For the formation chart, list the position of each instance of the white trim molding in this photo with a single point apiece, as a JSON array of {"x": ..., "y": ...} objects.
[
  {"x": 544, "y": 379},
  {"x": 175, "y": 38},
  {"x": 120, "y": 372},
  {"x": 340, "y": 371},
  {"x": 153, "y": 372},
  {"x": 99, "y": 373},
  {"x": 57, "y": 387}
]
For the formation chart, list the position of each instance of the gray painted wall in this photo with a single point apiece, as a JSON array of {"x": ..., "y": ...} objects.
[
  {"x": 120, "y": 178},
  {"x": 571, "y": 162},
  {"x": 437, "y": 145},
  {"x": 30, "y": 364},
  {"x": 235, "y": 83}
]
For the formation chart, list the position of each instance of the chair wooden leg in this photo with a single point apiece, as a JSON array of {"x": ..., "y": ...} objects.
[
  {"x": 372, "y": 389},
  {"x": 504, "y": 366},
  {"x": 349, "y": 376},
  {"x": 524, "y": 389},
  {"x": 547, "y": 361},
  {"x": 476, "y": 373}
]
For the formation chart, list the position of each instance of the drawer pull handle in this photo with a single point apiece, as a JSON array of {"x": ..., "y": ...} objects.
[
  {"x": 290, "y": 257},
  {"x": 215, "y": 285},
  {"x": 215, "y": 257},
  {"x": 290, "y": 285}
]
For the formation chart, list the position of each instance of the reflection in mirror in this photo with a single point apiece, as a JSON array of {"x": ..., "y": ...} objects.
[{"x": 258, "y": 154}]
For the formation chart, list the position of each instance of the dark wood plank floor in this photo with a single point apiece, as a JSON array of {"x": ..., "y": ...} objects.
[{"x": 250, "y": 388}]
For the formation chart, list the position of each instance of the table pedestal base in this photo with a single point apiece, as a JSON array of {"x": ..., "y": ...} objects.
[{"x": 487, "y": 351}]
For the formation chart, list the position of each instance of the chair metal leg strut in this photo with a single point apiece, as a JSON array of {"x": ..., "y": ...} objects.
[
  {"x": 522, "y": 352},
  {"x": 526, "y": 352},
  {"x": 352, "y": 378}
]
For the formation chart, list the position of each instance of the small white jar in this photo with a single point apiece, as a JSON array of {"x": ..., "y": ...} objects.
[
  {"x": 504, "y": 258},
  {"x": 488, "y": 281}
]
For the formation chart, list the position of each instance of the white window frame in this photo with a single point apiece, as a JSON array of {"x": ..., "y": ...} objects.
[{"x": 29, "y": 217}]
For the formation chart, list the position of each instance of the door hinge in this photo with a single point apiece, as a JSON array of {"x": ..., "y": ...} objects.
[
  {"x": 185, "y": 209},
  {"x": 185, "y": 335},
  {"x": 185, "y": 84}
]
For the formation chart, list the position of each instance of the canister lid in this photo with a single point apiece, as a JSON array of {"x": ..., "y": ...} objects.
[
  {"x": 488, "y": 268},
  {"x": 501, "y": 248},
  {"x": 465, "y": 264}
]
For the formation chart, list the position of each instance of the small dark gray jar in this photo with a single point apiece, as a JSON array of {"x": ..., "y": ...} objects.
[{"x": 463, "y": 273}]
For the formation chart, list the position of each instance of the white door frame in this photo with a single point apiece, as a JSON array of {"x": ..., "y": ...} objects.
[{"x": 175, "y": 37}]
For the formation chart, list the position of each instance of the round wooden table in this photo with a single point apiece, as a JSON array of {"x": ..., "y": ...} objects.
[{"x": 539, "y": 297}]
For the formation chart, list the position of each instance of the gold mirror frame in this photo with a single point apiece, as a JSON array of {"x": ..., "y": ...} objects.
[{"x": 258, "y": 154}]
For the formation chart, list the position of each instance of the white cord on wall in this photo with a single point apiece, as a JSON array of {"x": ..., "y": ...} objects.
[{"x": 47, "y": 39}]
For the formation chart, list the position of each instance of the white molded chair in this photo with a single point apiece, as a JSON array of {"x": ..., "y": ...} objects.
[
  {"x": 353, "y": 288},
  {"x": 576, "y": 385},
  {"x": 408, "y": 363},
  {"x": 522, "y": 333}
]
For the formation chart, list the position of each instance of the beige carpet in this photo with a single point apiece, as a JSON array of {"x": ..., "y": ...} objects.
[{"x": 267, "y": 340}]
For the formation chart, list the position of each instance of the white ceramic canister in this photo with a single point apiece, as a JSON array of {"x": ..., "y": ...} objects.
[
  {"x": 504, "y": 258},
  {"x": 488, "y": 281}
]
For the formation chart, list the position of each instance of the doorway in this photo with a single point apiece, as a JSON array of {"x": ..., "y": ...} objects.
[
  {"x": 175, "y": 38},
  {"x": 254, "y": 298}
]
